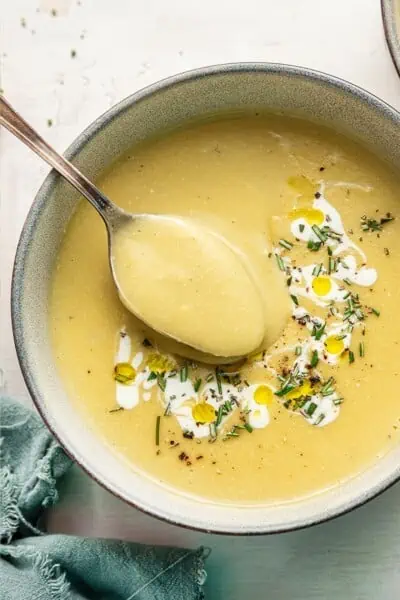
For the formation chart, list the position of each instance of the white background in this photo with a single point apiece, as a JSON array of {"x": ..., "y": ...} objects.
[{"x": 121, "y": 46}]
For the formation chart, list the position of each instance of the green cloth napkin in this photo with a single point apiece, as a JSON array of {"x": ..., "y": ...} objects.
[{"x": 34, "y": 566}]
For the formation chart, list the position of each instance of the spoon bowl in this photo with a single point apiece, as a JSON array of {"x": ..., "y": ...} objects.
[{"x": 189, "y": 266}]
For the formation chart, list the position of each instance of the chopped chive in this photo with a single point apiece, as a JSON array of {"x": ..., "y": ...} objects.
[
  {"x": 335, "y": 235},
  {"x": 295, "y": 300},
  {"x": 376, "y": 312},
  {"x": 152, "y": 376},
  {"x": 319, "y": 419},
  {"x": 297, "y": 350},
  {"x": 301, "y": 227},
  {"x": 197, "y": 384},
  {"x": 280, "y": 263},
  {"x": 351, "y": 356},
  {"x": 338, "y": 401},
  {"x": 285, "y": 390},
  {"x": 161, "y": 382},
  {"x": 313, "y": 246},
  {"x": 219, "y": 416},
  {"x": 347, "y": 295},
  {"x": 317, "y": 270},
  {"x": 286, "y": 244},
  {"x": 158, "y": 420},
  {"x": 114, "y": 410},
  {"x": 346, "y": 280},
  {"x": 330, "y": 251},
  {"x": 167, "y": 411},
  {"x": 219, "y": 382},
  {"x": 184, "y": 372},
  {"x": 314, "y": 359},
  {"x": 320, "y": 235},
  {"x": 248, "y": 427},
  {"x": 319, "y": 331},
  {"x": 289, "y": 281},
  {"x": 213, "y": 432},
  {"x": 209, "y": 377},
  {"x": 361, "y": 348},
  {"x": 331, "y": 265},
  {"x": 310, "y": 410},
  {"x": 327, "y": 385}
]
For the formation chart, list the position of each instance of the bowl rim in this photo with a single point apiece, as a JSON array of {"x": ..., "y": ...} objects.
[
  {"x": 39, "y": 203},
  {"x": 392, "y": 31}
]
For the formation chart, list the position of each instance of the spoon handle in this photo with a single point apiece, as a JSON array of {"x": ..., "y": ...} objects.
[{"x": 10, "y": 119}]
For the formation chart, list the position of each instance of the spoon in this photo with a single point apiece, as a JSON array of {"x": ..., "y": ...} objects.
[{"x": 179, "y": 278}]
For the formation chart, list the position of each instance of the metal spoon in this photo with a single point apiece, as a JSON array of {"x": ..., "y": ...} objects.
[{"x": 114, "y": 218}]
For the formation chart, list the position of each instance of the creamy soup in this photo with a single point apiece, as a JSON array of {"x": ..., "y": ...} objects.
[{"x": 314, "y": 216}]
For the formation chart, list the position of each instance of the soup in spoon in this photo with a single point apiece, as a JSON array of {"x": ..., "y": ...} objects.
[{"x": 189, "y": 284}]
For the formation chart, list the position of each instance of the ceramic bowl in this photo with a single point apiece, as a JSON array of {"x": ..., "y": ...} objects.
[
  {"x": 201, "y": 93},
  {"x": 391, "y": 23}
]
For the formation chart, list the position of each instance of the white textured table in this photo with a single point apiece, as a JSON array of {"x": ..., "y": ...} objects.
[{"x": 120, "y": 46}]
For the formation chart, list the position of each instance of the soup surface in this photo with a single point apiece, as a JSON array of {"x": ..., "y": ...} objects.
[{"x": 315, "y": 217}]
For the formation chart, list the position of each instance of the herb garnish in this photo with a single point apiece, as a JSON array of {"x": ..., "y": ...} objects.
[
  {"x": 218, "y": 378},
  {"x": 285, "y": 244},
  {"x": 374, "y": 225},
  {"x": 328, "y": 387},
  {"x": 213, "y": 432},
  {"x": 183, "y": 374},
  {"x": 114, "y": 410},
  {"x": 318, "y": 330},
  {"x": 197, "y": 384},
  {"x": 351, "y": 356},
  {"x": 317, "y": 270},
  {"x": 310, "y": 410},
  {"x": 291, "y": 382},
  {"x": 280, "y": 263},
  {"x": 361, "y": 349},
  {"x": 314, "y": 246},
  {"x": 319, "y": 233},
  {"x": 314, "y": 359},
  {"x": 319, "y": 419}
]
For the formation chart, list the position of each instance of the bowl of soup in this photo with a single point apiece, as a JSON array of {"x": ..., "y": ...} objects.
[
  {"x": 299, "y": 171},
  {"x": 391, "y": 24}
]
